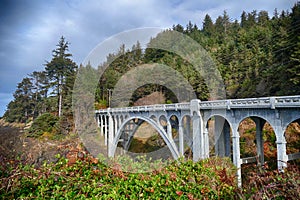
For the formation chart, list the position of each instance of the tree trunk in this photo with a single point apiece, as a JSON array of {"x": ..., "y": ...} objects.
[{"x": 59, "y": 93}]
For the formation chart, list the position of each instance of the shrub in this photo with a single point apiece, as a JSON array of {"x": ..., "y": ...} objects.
[{"x": 47, "y": 122}]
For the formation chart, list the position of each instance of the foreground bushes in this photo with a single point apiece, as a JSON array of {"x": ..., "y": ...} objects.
[{"x": 87, "y": 178}]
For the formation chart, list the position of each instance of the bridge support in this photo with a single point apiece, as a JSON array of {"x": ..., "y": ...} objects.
[
  {"x": 181, "y": 142},
  {"x": 236, "y": 154},
  {"x": 259, "y": 140},
  {"x": 110, "y": 135},
  {"x": 282, "y": 157},
  {"x": 222, "y": 137},
  {"x": 198, "y": 139}
]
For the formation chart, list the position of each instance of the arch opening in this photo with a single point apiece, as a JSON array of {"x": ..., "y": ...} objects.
[
  {"x": 257, "y": 143},
  {"x": 292, "y": 137},
  {"x": 219, "y": 137},
  {"x": 187, "y": 127},
  {"x": 140, "y": 136}
]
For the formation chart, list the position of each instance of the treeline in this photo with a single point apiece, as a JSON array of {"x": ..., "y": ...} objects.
[
  {"x": 256, "y": 56},
  {"x": 46, "y": 91}
]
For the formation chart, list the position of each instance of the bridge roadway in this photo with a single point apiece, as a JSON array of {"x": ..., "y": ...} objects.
[{"x": 191, "y": 124}]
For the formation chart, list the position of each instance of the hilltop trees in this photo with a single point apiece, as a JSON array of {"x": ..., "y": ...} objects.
[{"x": 39, "y": 92}]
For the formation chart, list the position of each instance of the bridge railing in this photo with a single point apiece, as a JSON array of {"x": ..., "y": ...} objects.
[{"x": 262, "y": 102}]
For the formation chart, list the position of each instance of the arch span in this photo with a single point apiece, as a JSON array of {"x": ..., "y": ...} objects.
[
  {"x": 169, "y": 141},
  {"x": 219, "y": 141}
]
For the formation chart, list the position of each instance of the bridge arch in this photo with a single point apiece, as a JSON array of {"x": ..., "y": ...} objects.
[
  {"x": 170, "y": 143},
  {"x": 220, "y": 143},
  {"x": 292, "y": 137},
  {"x": 254, "y": 117}
]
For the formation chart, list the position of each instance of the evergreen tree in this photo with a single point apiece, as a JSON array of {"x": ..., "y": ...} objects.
[
  {"x": 59, "y": 69},
  {"x": 21, "y": 108},
  {"x": 208, "y": 26}
]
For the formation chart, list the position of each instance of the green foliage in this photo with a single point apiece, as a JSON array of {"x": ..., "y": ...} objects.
[
  {"x": 46, "y": 123},
  {"x": 212, "y": 178},
  {"x": 87, "y": 178}
]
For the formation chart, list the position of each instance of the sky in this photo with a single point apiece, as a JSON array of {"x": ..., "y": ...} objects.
[{"x": 31, "y": 29}]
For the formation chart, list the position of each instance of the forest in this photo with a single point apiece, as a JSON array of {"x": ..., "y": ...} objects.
[{"x": 258, "y": 55}]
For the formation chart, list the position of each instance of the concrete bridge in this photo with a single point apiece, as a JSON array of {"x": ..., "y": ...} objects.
[{"x": 191, "y": 122}]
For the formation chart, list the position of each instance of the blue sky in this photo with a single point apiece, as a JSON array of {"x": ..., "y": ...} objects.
[{"x": 30, "y": 29}]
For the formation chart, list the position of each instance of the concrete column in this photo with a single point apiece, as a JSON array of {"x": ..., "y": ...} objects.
[
  {"x": 116, "y": 125},
  {"x": 282, "y": 157},
  {"x": 206, "y": 143},
  {"x": 120, "y": 122},
  {"x": 98, "y": 120},
  {"x": 219, "y": 136},
  {"x": 196, "y": 138},
  {"x": 197, "y": 130},
  {"x": 259, "y": 140},
  {"x": 110, "y": 136},
  {"x": 101, "y": 125},
  {"x": 169, "y": 129},
  {"x": 105, "y": 129},
  {"x": 181, "y": 142},
  {"x": 237, "y": 155},
  {"x": 226, "y": 132}
]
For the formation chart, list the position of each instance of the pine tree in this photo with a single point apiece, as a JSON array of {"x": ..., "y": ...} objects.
[
  {"x": 208, "y": 25},
  {"x": 59, "y": 68}
]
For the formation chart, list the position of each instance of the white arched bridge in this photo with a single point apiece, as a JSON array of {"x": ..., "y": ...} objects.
[{"x": 185, "y": 125}]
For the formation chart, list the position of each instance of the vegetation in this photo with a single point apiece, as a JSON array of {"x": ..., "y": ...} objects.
[
  {"x": 258, "y": 56},
  {"x": 87, "y": 178},
  {"x": 46, "y": 123}
]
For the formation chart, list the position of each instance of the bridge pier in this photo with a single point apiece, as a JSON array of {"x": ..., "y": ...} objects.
[
  {"x": 282, "y": 157},
  {"x": 198, "y": 139},
  {"x": 259, "y": 123},
  {"x": 110, "y": 135},
  {"x": 222, "y": 137},
  {"x": 105, "y": 131},
  {"x": 206, "y": 143},
  {"x": 181, "y": 141},
  {"x": 236, "y": 154}
]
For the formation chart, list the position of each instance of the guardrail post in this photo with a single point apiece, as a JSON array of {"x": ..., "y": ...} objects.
[{"x": 272, "y": 102}]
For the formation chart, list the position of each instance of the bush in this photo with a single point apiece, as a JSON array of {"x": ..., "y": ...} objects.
[
  {"x": 46, "y": 123},
  {"x": 86, "y": 179}
]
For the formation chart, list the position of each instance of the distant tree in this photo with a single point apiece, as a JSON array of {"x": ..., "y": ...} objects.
[
  {"x": 208, "y": 25},
  {"x": 294, "y": 44},
  {"x": 178, "y": 28},
  {"x": 21, "y": 108},
  {"x": 244, "y": 19},
  {"x": 263, "y": 18}
]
